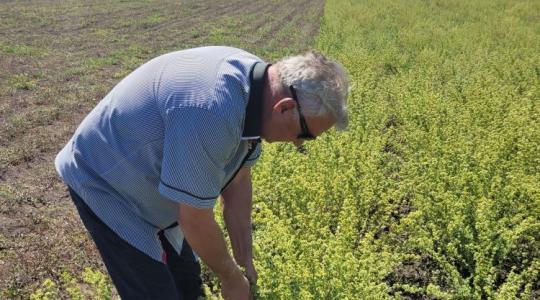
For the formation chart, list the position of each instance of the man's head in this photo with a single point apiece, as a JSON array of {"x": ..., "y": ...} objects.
[{"x": 305, "y": 96}]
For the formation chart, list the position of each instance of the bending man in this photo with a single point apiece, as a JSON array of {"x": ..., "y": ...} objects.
[{"x": 146, "y": 166}]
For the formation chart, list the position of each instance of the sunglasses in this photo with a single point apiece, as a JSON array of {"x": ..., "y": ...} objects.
[{"x": 304, "y": 134}]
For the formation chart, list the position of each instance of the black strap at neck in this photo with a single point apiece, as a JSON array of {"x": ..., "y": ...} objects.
[{"x": 252, "y": 121}]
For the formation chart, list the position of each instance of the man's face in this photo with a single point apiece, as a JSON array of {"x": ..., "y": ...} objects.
[
  {"x": 315, "y": 125},
  {"x": 285, "y": 124}
]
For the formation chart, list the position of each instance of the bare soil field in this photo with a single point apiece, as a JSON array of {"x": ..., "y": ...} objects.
[{"x": 58, "y": 59}]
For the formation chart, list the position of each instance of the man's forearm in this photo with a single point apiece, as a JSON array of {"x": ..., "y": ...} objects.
[
  {"x": 206, "y": 239},
  {"x": 237, "y": 206},
  {"x": 239, "y": 229}
]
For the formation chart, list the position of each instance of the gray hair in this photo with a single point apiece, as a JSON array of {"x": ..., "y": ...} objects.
[{"x": 321, "y": 85}]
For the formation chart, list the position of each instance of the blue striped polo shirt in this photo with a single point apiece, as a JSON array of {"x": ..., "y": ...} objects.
[{"x": 171, "y": 132}]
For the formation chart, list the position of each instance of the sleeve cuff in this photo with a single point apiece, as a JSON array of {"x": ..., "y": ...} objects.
[{"x": 185, "y": 197}]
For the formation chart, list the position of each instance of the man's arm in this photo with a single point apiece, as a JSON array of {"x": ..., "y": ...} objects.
[
  {"x": 206, "y": 239},
  {"x": 237, "y": 205}
]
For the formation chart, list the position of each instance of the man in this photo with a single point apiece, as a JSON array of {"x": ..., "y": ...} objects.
[{"x": 145, "y": 167}]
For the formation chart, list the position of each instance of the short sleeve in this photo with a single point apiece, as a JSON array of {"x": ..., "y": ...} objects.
[
  {"x": 254, "y": 157},
  {"x": 196, "y": 147}
]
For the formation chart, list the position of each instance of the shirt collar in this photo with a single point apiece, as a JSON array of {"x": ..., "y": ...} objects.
[{"x": 253, "y": 118}]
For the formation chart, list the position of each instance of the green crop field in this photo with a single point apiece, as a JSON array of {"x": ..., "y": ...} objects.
[{"x": 432, "y": 193}]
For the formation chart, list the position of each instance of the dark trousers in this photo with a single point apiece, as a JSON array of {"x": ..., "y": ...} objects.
[{"x": 135, "y": 274}]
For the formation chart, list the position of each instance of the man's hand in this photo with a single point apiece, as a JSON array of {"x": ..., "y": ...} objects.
[
  {"x": 235, "y": 286},
  {"x": 205, "y": 238}
]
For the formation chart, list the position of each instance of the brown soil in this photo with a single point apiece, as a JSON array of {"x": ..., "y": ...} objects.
[
  {"x": 419, "y": 272},
  {"x": 58, "y": 47}
]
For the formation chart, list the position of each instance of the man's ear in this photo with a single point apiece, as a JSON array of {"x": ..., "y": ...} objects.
[{"x": 284, "y": 105}]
